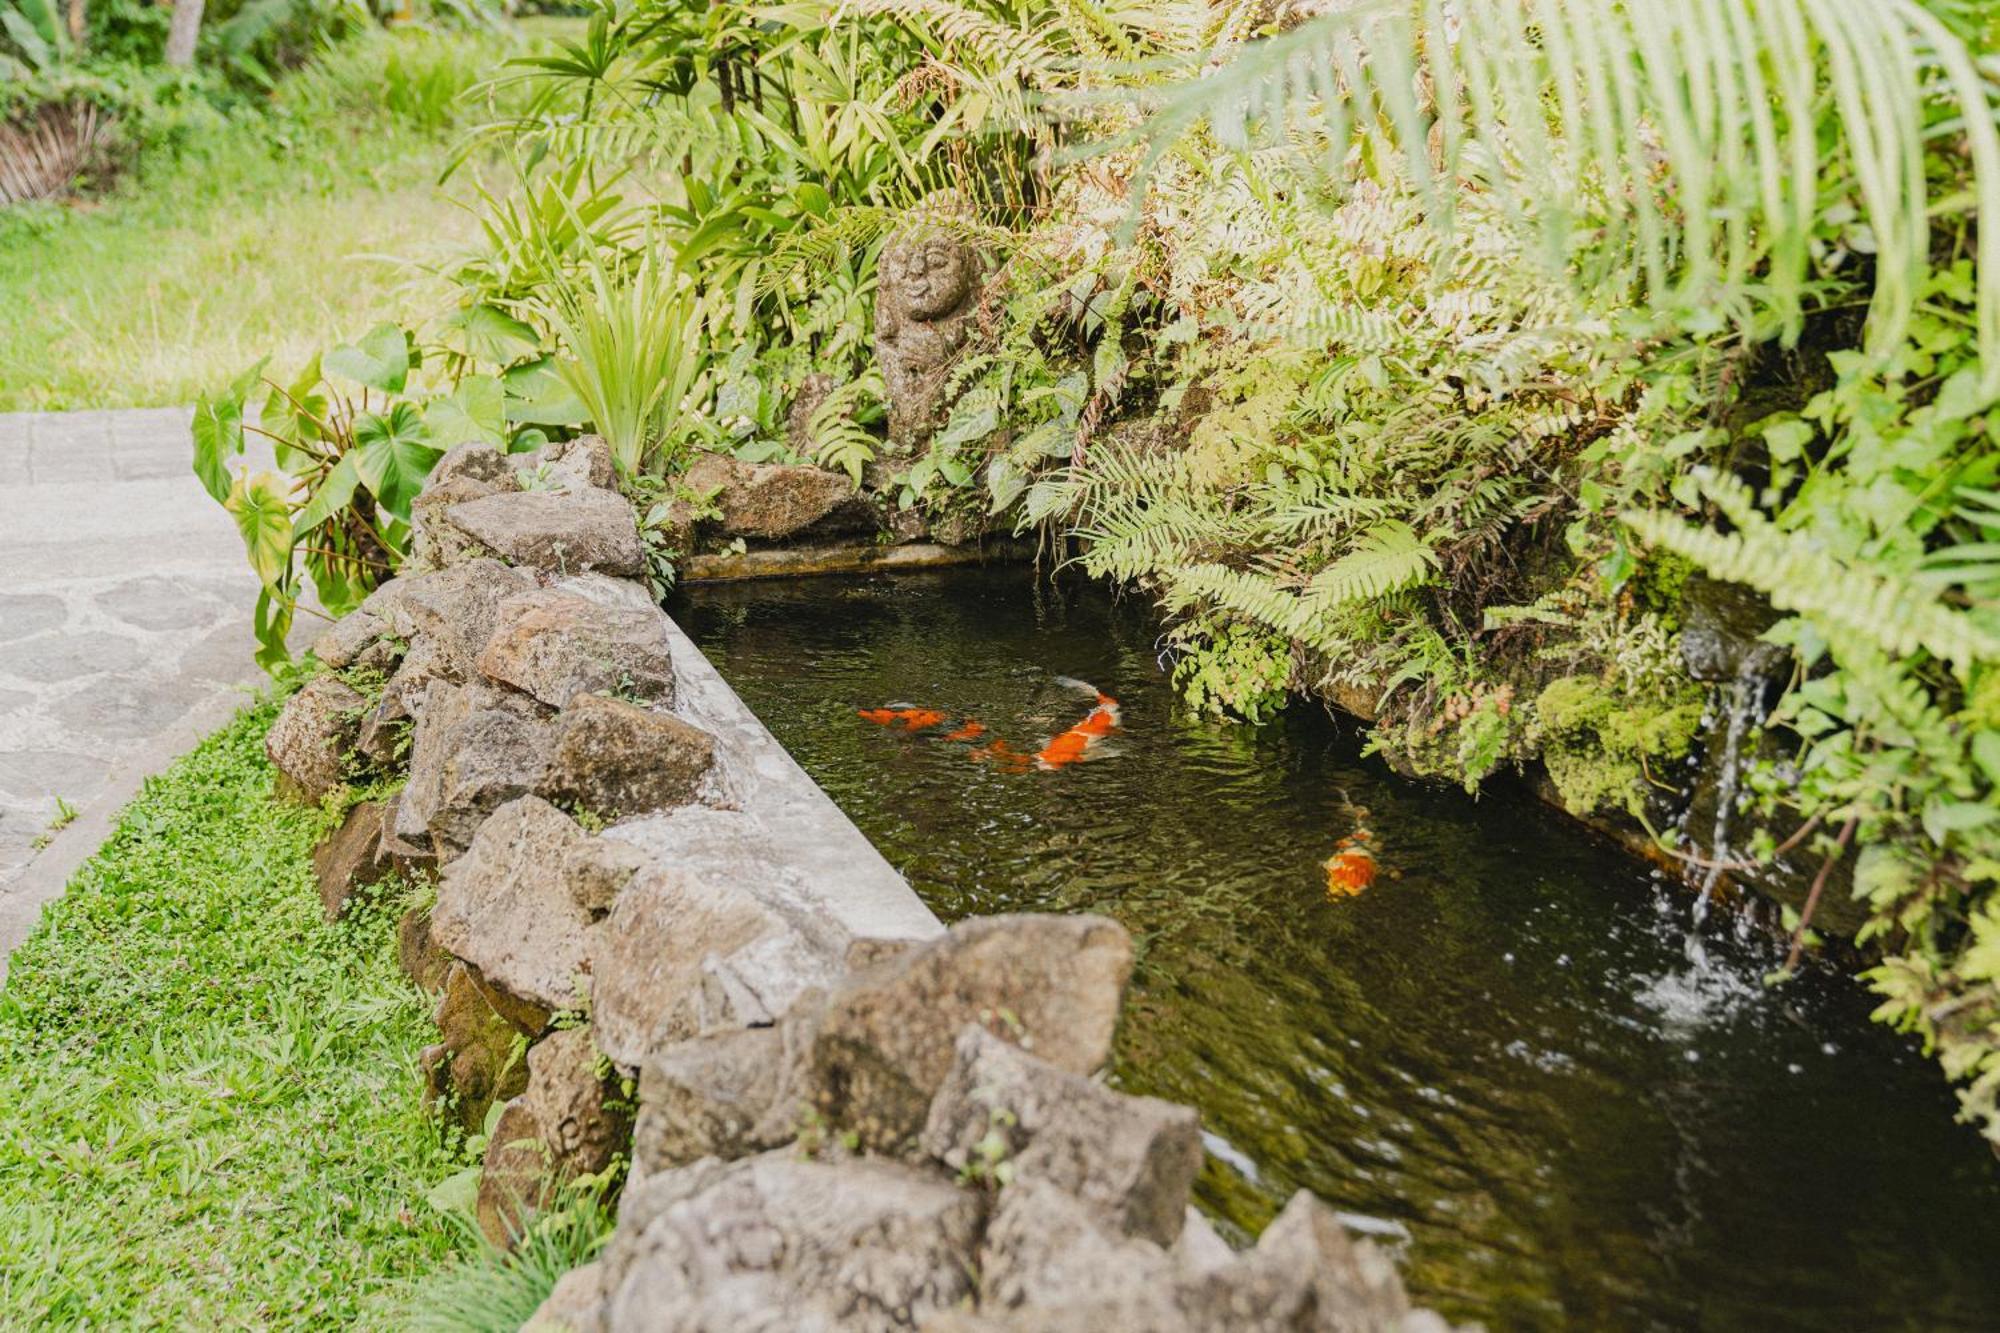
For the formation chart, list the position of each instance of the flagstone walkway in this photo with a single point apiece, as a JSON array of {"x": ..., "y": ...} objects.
[{"x": 124, "y": 631}]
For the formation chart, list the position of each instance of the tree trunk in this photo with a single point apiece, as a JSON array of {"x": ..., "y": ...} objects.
[
  {"x": 181, "y": 33},
  {"x": 76, "y": 24}
]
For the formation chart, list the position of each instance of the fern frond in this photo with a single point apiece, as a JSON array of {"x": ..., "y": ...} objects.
[{"x": 1892, "y": 615}]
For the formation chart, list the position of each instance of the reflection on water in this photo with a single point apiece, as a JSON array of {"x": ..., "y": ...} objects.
[{"x": 1498, "y": 1058}]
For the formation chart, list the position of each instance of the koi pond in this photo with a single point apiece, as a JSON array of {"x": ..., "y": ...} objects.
[{"x": 1498, "y": 1059}]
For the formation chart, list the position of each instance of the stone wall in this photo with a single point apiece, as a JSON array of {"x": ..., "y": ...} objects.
[{"x": 837, "y": 1114}]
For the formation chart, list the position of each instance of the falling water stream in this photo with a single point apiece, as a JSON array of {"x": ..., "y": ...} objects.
[{"x": 1496, "y": 1059}]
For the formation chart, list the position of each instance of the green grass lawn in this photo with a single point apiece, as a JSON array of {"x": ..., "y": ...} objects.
[
  {"x": 209, "y": 1104},
  {"x": 277, "y": 232}
]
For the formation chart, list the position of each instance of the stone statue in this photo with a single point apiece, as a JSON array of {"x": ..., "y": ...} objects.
[{"x": 926, "y": 288}]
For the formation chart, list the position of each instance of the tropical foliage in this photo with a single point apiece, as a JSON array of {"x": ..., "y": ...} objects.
[{"x": 1411, "y": 354}]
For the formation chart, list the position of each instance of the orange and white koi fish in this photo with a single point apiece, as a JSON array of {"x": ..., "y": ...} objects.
[
  {"x": 1075, "y": 743},
  {"x": 1351, "y": 868}
]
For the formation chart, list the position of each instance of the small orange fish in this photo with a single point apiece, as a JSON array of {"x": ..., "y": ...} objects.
[
  {"x": 908, "y": 719},
  {"x": 1070, "y": 746}
]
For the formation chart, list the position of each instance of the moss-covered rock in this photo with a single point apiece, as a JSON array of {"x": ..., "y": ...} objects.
[{"x": 1604, "y": 750}]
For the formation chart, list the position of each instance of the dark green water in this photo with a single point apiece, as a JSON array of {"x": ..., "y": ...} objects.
[{"x": 1500, "y": 1060}]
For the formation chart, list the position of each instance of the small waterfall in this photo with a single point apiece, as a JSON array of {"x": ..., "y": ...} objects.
[
  {"x": 1721, "y": 645},
  {"x": 1742, "y": 706}
]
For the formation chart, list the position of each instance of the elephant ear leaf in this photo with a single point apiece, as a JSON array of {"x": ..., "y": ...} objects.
[
  {"x": 261, "y": 506},
  {"x": 488, "y": 333},
  {"x": 331, "y": 496},
  {"x": 218, "y": 432},
  {"x": 393, "y": 456},
  {"x": 381, "y": 360},
  {"x": 537, "y": 395},
  {"x": 476, "y": 411}
]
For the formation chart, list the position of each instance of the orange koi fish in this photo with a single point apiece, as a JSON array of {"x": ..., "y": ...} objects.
[
  {"x": 970, "y": 730},
  {"x": 906, "y": 719},
  {"x": 1351, "y": 868}
]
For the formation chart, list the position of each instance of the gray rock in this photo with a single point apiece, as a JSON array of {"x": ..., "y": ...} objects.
[
  {"x": 455, "y": 608},
  {"x": 515, "y": 1176},
  {"x": 806, "y": 400},
  {"x": 555, "y": 646},
  {"x": 576, "y": 1305},
  {"x": 473, "y": 751},
  {"x": 725, "y": 1095},
  {"x": 1049, "y": 984},
  {"x": 574, "y": 1096},
  {"x": 348, "y": 638},
  {"x": 595, "y": 873},
  {"x": 614, "y": 759},
  {"x": 419, "y": 956},
  {"x": 562, "y": 532},
  {"x": 1132, "y": 1160},
  {"x": 775, "y": 1243},
  {"x": 310, "y": 740},
  {"x": 476, "y": 462},
  {"x": 777, "y": 501},
  {"x": 1721, "y": 632},
  {"x": 1046, "y": 1249},
  {"x": 1306, "y": 1275},
  {"x": 570, "y": 464},
  {"x": 504, "y": 907},
  {"x": 468, "y": 472},
  {"x": 689, "y": 948},
  {"x": 384, "y": 737},
  {"x": 1048, "y": 1266},
  {"x": 351, "y": 858}
]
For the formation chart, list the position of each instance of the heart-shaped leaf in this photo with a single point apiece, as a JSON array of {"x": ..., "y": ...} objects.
[
  {"x": 538, "y": 396},
  {"x": 218, "y": 432},
  {"x": 260, "y": 505},
  {"x": 218, "y": 437},
  {"x": 381, "y": 360},
  {"x": 488, "y": 333},
  {"x": 393, "y": 455},
  {"x": 329, "y": 497},
  {"x": 475, "y": 411}
]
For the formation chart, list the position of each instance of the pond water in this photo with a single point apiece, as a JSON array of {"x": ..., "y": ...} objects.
[{"x": 1498, "y": 1058}]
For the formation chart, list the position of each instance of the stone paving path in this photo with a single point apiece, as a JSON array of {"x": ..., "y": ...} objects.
[{"x": 124, "y": 629}]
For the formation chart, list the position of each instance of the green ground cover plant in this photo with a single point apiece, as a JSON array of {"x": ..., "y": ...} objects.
[{"x": 209, "y": 1109}]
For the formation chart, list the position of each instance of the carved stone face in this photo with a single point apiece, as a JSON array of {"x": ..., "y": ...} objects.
[{"x": 933, "y": 275}]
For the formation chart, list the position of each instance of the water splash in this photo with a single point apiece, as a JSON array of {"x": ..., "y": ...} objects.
[{"x": 1707, "y": 990}]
